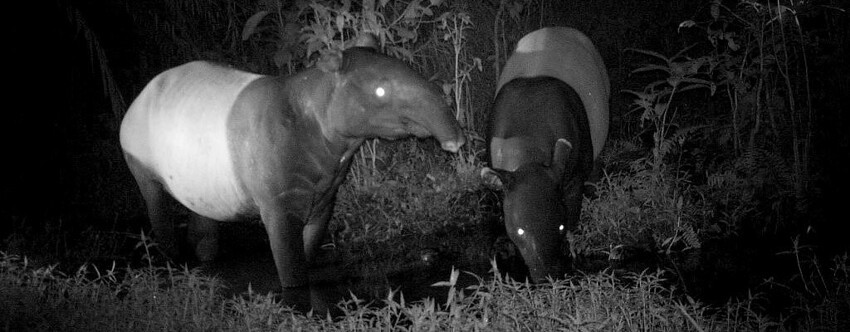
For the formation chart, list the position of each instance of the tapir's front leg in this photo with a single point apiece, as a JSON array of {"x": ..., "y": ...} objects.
[
  {"x": 284, "y": 229},
  {"x": 316, "y": 230}
]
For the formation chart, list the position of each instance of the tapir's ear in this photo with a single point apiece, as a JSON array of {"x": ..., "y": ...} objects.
[
  {"x": 563, "y": 148},
  {"x": 367, "y": 39},
  {"x": 330, "y": 62},
  {"x": 496, "y": 177}
]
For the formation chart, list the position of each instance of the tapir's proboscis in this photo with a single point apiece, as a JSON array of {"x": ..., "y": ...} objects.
[
  {"x": 232, "y": 145},
  {"x": 548, "y": 124}
]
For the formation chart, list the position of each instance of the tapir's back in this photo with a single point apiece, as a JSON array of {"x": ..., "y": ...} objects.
[
  {"x": 528, "y": 116},
  {"x": 177, "y": 128},
  {"x": 566, "y": 54}
]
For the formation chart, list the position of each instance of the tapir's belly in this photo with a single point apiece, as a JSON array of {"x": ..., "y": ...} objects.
[{"x": 177, "y": 128}]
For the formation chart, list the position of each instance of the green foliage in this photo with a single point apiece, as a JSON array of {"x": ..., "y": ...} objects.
[
  {"x": 513, "y": 19},
  {"x": 761, "y": 63},
  {"x": 755, "y": 191},
  {"x": 412, "y": 183},
  {"x": 661, "y": 210},
  {"x": 301, "y": 29},
  {"x": 454, "y": 25},
  {"x": 276, "y": 29},
  {"x": 644, "y": 208},
  {"x": 680, "y": 73},
  {"x": 754, "y": 55}
]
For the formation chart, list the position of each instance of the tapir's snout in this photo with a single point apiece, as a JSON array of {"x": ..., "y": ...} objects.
[
  {"x": 543, "y": 253},
  {"x": 453, "y": 145},
  {"x": 440, "y": 122}
]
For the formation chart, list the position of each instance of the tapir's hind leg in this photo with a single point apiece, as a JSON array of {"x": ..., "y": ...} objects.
[
  {"x": 203, "y": 237},
  {"x": 157, "y": 203}
]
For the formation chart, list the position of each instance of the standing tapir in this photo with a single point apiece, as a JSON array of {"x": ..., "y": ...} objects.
[
  {"x": 548, "y": 124},
  {"x": 232, "y": 145}
]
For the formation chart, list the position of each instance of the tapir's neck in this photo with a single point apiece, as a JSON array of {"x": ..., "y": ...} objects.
[{"x": 311, "y": 94}]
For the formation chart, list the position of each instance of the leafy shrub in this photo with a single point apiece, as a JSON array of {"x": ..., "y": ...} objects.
[{"x": 643, "y": 208}]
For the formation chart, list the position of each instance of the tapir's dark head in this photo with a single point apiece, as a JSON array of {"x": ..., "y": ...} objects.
[
  {"x": 534, "y": 212},
  {"x": 379, "y": 96}
]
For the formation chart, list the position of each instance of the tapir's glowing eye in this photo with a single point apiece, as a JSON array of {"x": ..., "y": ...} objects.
[
  {"x": 380, "y": 92},
  {"x": 520, "y": 231},
  {"x": 561, "y": 228}
]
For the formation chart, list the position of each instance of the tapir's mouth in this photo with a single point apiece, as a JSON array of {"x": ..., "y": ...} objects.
[
  {"x": 453, "y": 141},
  {"x": 452, "y": 146},
  {"x": 540, "y": 274},
  {"x": 450, "y": 136},
  {"x": 543, "y": 265}
]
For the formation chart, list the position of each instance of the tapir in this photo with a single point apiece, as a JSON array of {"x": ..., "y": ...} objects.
[
  {"x": 232, "y": 145},
  {"x": 549, "y": 122}
]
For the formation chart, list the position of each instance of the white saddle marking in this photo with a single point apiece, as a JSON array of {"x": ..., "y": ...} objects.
[
  {"x": 568, "y": 55},
  {"x": 178, "y": 127}
]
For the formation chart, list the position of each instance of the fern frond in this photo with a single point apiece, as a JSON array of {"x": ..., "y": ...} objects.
[{"x": 690, "y": 236}]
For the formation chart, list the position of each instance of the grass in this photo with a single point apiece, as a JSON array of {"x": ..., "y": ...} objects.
[{"x": 171, "y": 299}]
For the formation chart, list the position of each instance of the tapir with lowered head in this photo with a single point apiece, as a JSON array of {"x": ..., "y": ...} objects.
[
  {"x": 548, "y": 124},
  {"x": 233, "y": 145}
]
